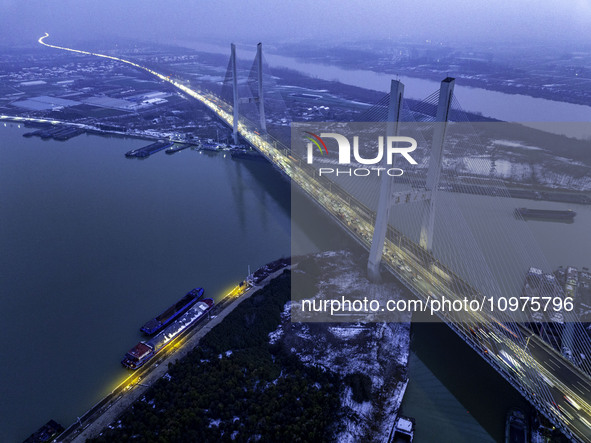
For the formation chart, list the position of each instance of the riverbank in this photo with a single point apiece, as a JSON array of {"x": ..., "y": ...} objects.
[
  {"x": 110, "y": 252},
  {"x": 137, "y": 385},
  {"x": 234, "y": 384},
  {"x": 492, "y": 74},
  {"x": 43, "y": 123},
  {"x": 258, "y": 374}
]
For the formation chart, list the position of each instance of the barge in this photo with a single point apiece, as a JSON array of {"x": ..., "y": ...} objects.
[
  {"x": 156, "y": 324},
  {"x": 545, "y": 214}
]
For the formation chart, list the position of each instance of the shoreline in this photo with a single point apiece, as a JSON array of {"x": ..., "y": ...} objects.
[
  {"x": 509, "y": 185},
  {"x": 40, "y": 123},
  {"x": 113, "y": 405},
  {"x": 436, "y": 77}
]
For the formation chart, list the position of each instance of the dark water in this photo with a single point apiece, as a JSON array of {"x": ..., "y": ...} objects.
[
  {"x": 93, "y": 244},
  {"x": 441, "y": 364}
]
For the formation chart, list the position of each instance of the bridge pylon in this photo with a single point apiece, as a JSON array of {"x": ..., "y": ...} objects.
[
  {"x": 260, "y": 100},
  {"x": 234, "y": 93},
  {"x": 253, "y": 96},
  {"x": 384, "y": 202},
  {"x": 434, "y": 172}
]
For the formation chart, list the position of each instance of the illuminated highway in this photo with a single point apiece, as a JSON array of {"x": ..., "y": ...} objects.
[{"x": 549, "y": 381}]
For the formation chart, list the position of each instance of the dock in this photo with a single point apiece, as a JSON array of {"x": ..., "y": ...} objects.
[
  {"x": 178, "y": 147},
  {"x": 60, "y": 133},
  {"x": 114, "y": 404},
  {"x": 146, "y": 151}
]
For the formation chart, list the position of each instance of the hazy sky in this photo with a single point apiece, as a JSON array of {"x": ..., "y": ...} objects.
[{"x": 275, "y": 21}]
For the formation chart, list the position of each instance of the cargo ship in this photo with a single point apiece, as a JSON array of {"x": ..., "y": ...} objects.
[
  {"x": 178, "y": 147},
  {"x": 192, "y": 316},
  {"x": 137, "y": 356},
  {"x": 247, "y": 155},
  {"x": 47, "y": 432},
  {"x": 546, "y": 214},
  {"x": 171, "y": 314},
  {"x": 146, "y": 151}
]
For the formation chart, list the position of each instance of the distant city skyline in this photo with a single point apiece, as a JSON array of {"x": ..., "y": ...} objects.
[{"x": 519, "y": 22}]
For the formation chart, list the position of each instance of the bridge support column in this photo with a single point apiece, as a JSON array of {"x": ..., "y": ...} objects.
[
  {"x": 567, "y": 340},
  {"x": 260, "y": 85},
  {"x": 434, "y": 172},
  {"x": 234, "y": 93},
  {"x": 384, "y": 202}
]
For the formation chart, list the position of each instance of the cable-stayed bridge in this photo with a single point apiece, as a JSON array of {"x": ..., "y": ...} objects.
[{"x": 557, "y": 387}]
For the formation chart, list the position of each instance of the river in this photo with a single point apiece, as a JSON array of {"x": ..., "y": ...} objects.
[
  {"x": 94, "y": 244},
  {"x": 502, "y": 106}
]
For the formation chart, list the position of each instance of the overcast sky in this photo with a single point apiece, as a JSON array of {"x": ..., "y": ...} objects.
[{"x": 273, "y": 21}]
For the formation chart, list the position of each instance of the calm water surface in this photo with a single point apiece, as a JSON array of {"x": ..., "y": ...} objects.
[{"x": 93, "y": 245}]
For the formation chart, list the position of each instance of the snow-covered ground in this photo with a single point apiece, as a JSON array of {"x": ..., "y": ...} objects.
[
  {"x": 515, "y": 144},
  {"x": 513, "y": 162},
  {"x": 379, "y": 351}
]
